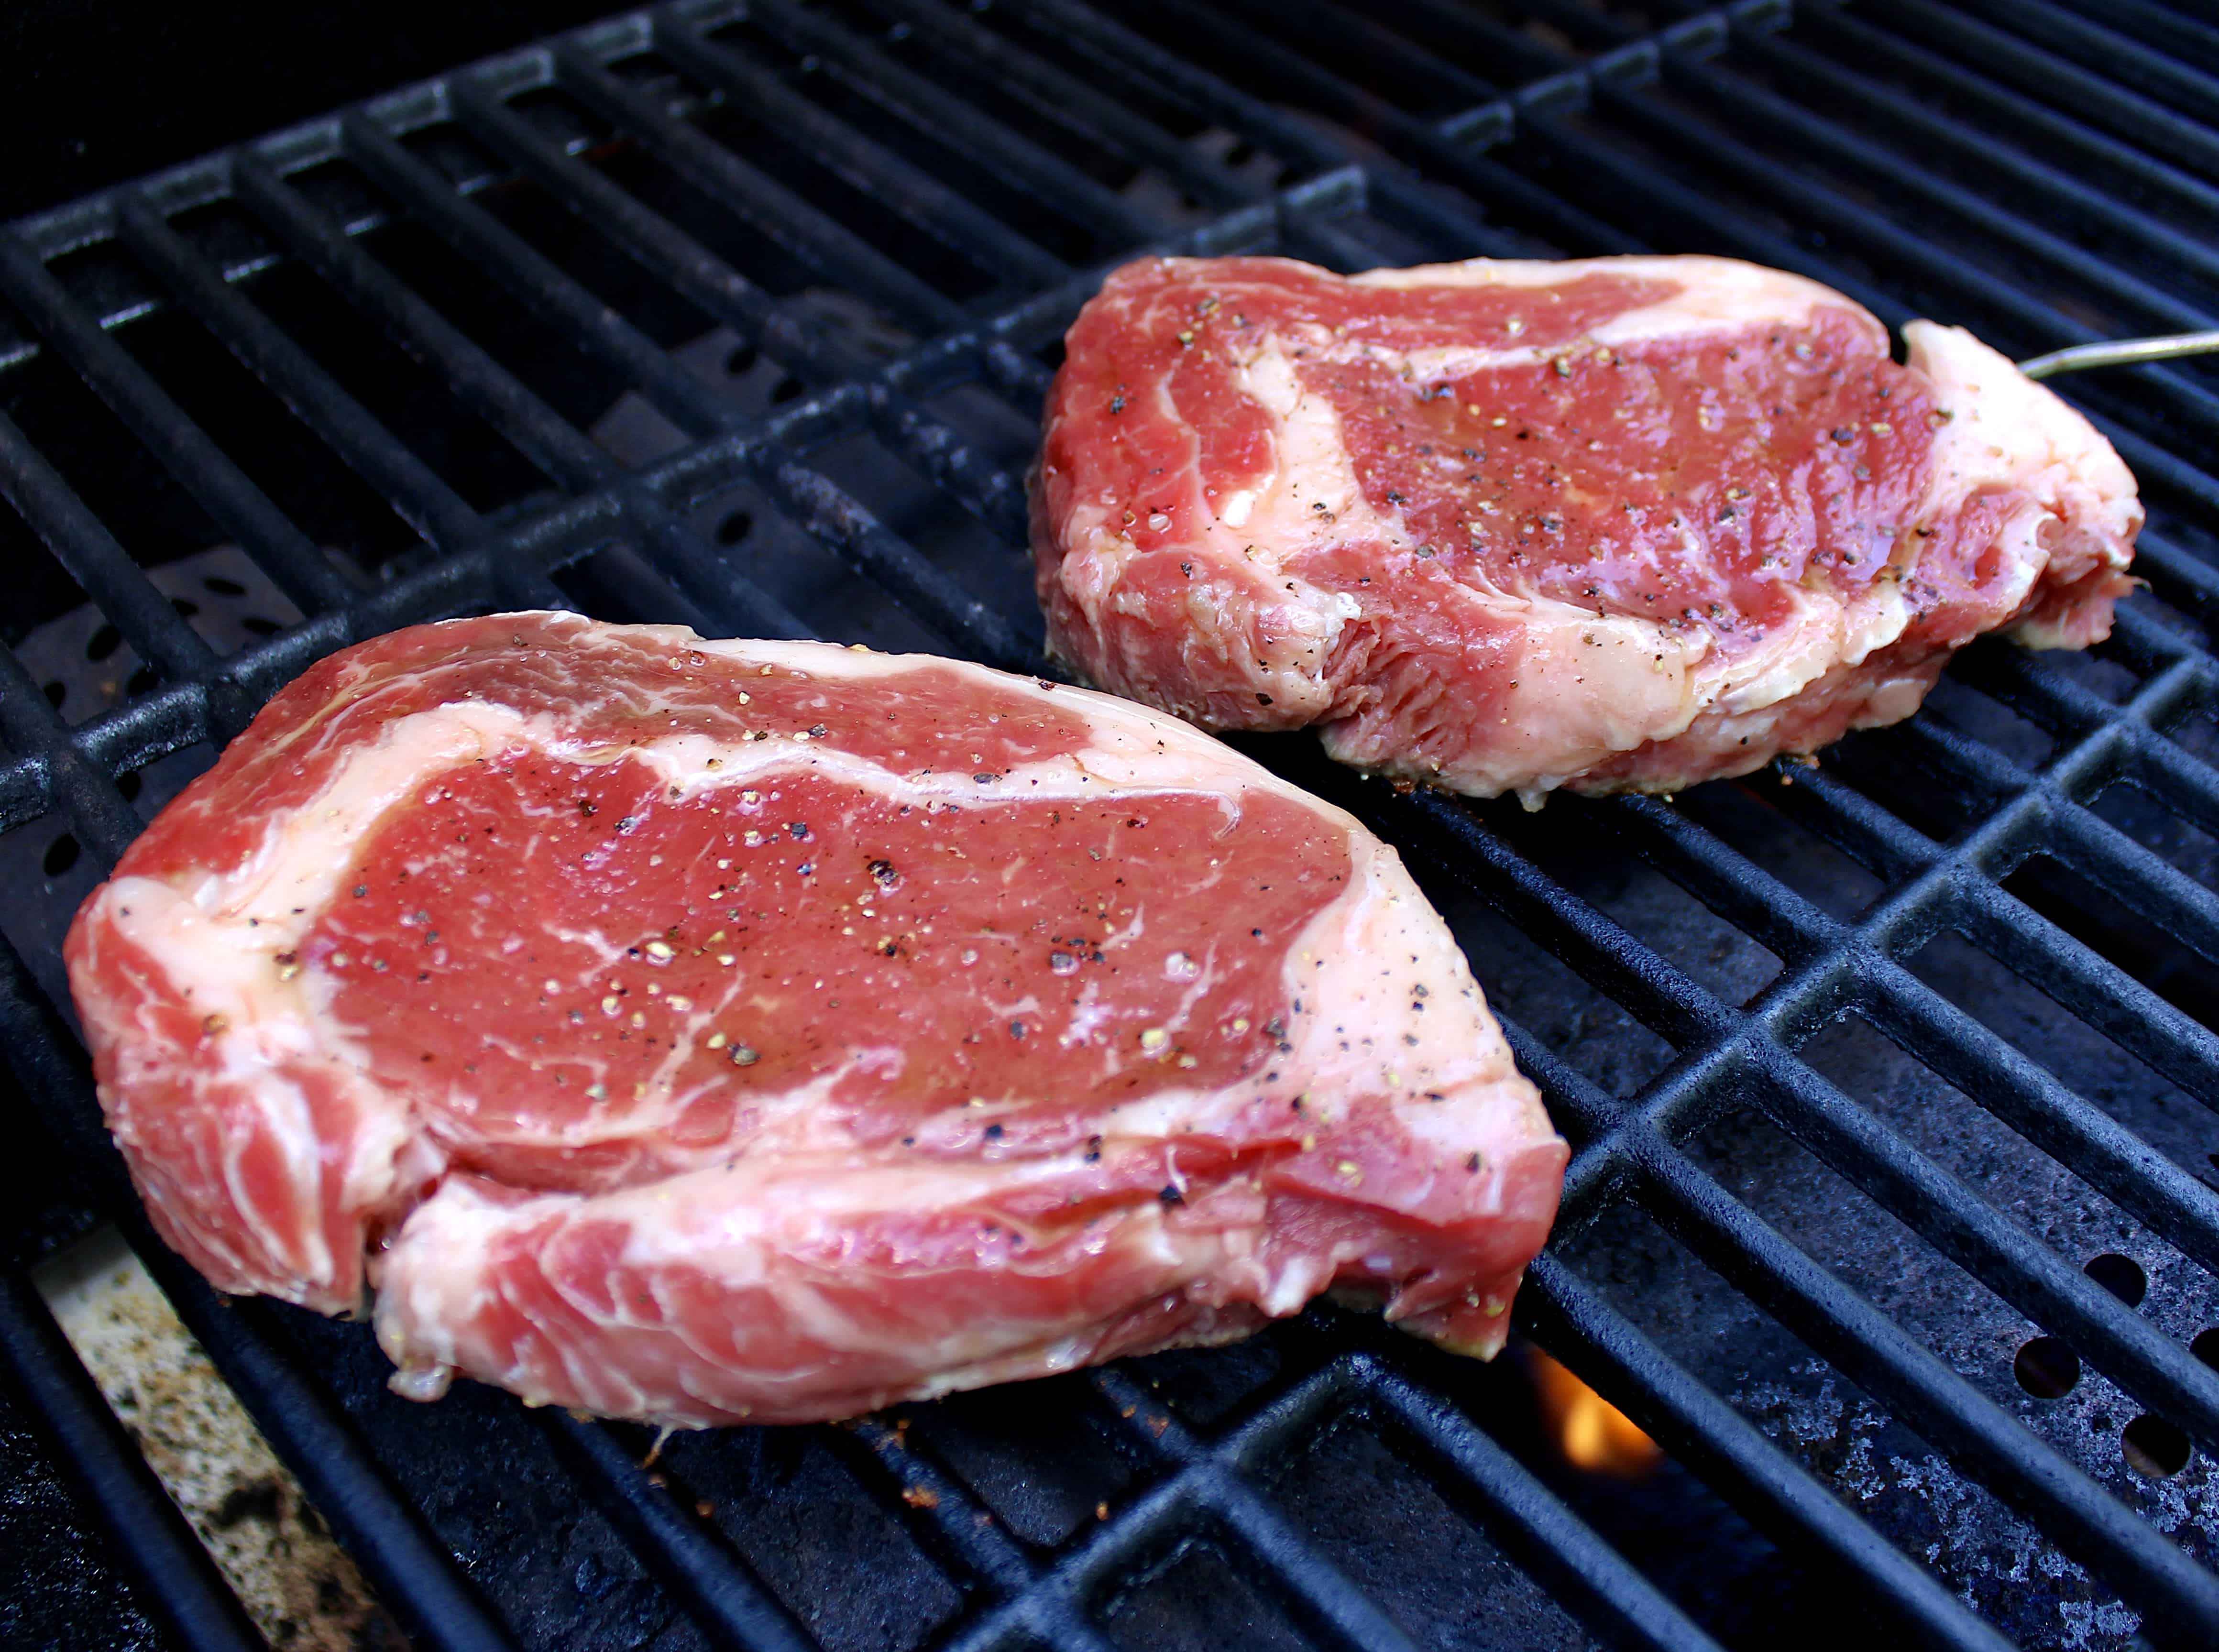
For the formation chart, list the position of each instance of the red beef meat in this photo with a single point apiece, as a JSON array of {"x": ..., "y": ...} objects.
[
  {"x": 1623, "y": 524},
  {"x": 695, "y": 1031}
]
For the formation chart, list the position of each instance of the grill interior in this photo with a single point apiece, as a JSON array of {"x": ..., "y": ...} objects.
[{"x": 1894, "y": 1214}]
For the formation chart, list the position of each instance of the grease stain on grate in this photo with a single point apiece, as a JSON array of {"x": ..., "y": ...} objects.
[{"x": 296, "y": 1583}]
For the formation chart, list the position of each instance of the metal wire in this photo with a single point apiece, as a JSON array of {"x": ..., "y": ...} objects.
[{"x": 2120, "y": 352}]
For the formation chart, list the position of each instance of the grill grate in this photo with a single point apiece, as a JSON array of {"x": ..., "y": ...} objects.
[{"x": 882, "y": 212}]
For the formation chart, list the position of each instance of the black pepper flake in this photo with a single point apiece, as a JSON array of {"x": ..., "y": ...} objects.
[
  {"x": 1117, "y": 402},
  {"x": 993, "y": 1133},
  {"x": 1016, "y": 1030},
  {"x": 1172, "y": 1195},
  {"x": 817, "y": 731},
  {"x": 360, "y": 890},
  {"x": 984, "y": 777},
  {"x": 884, "y": 871},
  {"x": 1093, "y": 1150},
  {"x": 1472, "y": 1163},
  {"x": 1843, "y": 434},
  {"x": 1263, "y": 699}
]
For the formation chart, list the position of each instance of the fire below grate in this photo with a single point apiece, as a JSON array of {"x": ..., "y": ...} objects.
[{"x": 1895, "y": 1210}]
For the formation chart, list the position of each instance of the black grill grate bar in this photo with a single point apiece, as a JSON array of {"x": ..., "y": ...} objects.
[
  {"x": 835, "y": 518},
  {"x": 1888, "y": 1363},
  {"x": 2157, "y": 75},
  {"x": 223, "y": 489},
  {"x": 2073, "y": 1130},
  {"x": 2089, "y": 985},
  {"x": 170, "y": 719},
  {"x": 411, "y": 487},
  {"x": 865, "y": 165},
  {"x": 1325, "y": 1602},
  {"x": 2079, "y": 1134},
  {"x": 1403, "y": 134},
  {"x": 206, "y": 181},
  {"x": 986, "y": 142},
  {"x": 720, "y": 1589},
  {"x": 2061, "y": 81},
  {"x": 1947, "y": 134},
  {"x": 497, "y": 395},
  {"x": 2099, "y": 992},
  {"x": 778, "y": 213},
  {"x": 97, "y": 812},
  {"x": 2079, "y": 837},
  {"x": 529, "y": 274},
  {"x": 102, "y": 568},
  {"x": 1126, "y": 56},
  {"x": 2017, "y": 1267},
  {"x": 2176, "y": 676},
  {"x": 1214, "y": 1476},
  {"x": 1448, "y": 30},
  {"x": 674, "y": 257},
  {"x": 2169, "y": 1588},
  {"x": 2133, "y": 750},
  {"x": 480, "y": 384},
  {"x": 1931, "y": 1203},
  {"x": 411, "y": 1571},
  {"x": 945, "y": 1517},
  {"x": 1053, "y": 92},
  {"x": 926, "y": 441},
  {"x": 173, "y": 1579},
  {"x": 1058, "y": 1599},
  {"x": 2169, "y": 31},
  {"x": 1329, "y": 31},
  {"x": 2144, "y": 880},
  {"x": 1739, "y": 97},
  {"x": 1977, "y": 290},
  {"x": 1596, "y": 948},
  {"x": 1769, "y": 1488},
  {"x": 1306, "y": 81},
  {"x": 2033, "y": 124},
  {"x": 1559, "y": 1548}
]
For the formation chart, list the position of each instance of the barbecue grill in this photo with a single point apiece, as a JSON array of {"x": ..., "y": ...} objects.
[{"x": 1894, "y": 1213}]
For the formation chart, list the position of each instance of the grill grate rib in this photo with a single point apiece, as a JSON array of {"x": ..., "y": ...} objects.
[{"x": 1913, "y": 154}]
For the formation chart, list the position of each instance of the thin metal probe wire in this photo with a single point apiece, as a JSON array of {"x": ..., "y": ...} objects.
[{"x": 2119, "y": 352}]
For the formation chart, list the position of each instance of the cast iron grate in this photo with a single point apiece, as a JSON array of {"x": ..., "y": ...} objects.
[{"x": 739, "y": 314}]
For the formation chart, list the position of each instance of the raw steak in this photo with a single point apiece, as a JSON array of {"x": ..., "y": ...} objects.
[
  {"x": 1623, "y": 523},
  {"x": 694, "y": 1031}
]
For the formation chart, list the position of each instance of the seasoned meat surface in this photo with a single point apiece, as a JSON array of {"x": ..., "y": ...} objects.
[
  {"x": 694, "y": 1031},
  {"x": 1620, "y": 524}
]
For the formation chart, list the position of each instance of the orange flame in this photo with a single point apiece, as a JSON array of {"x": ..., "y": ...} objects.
[{"x": 1593, "y": 1433}]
